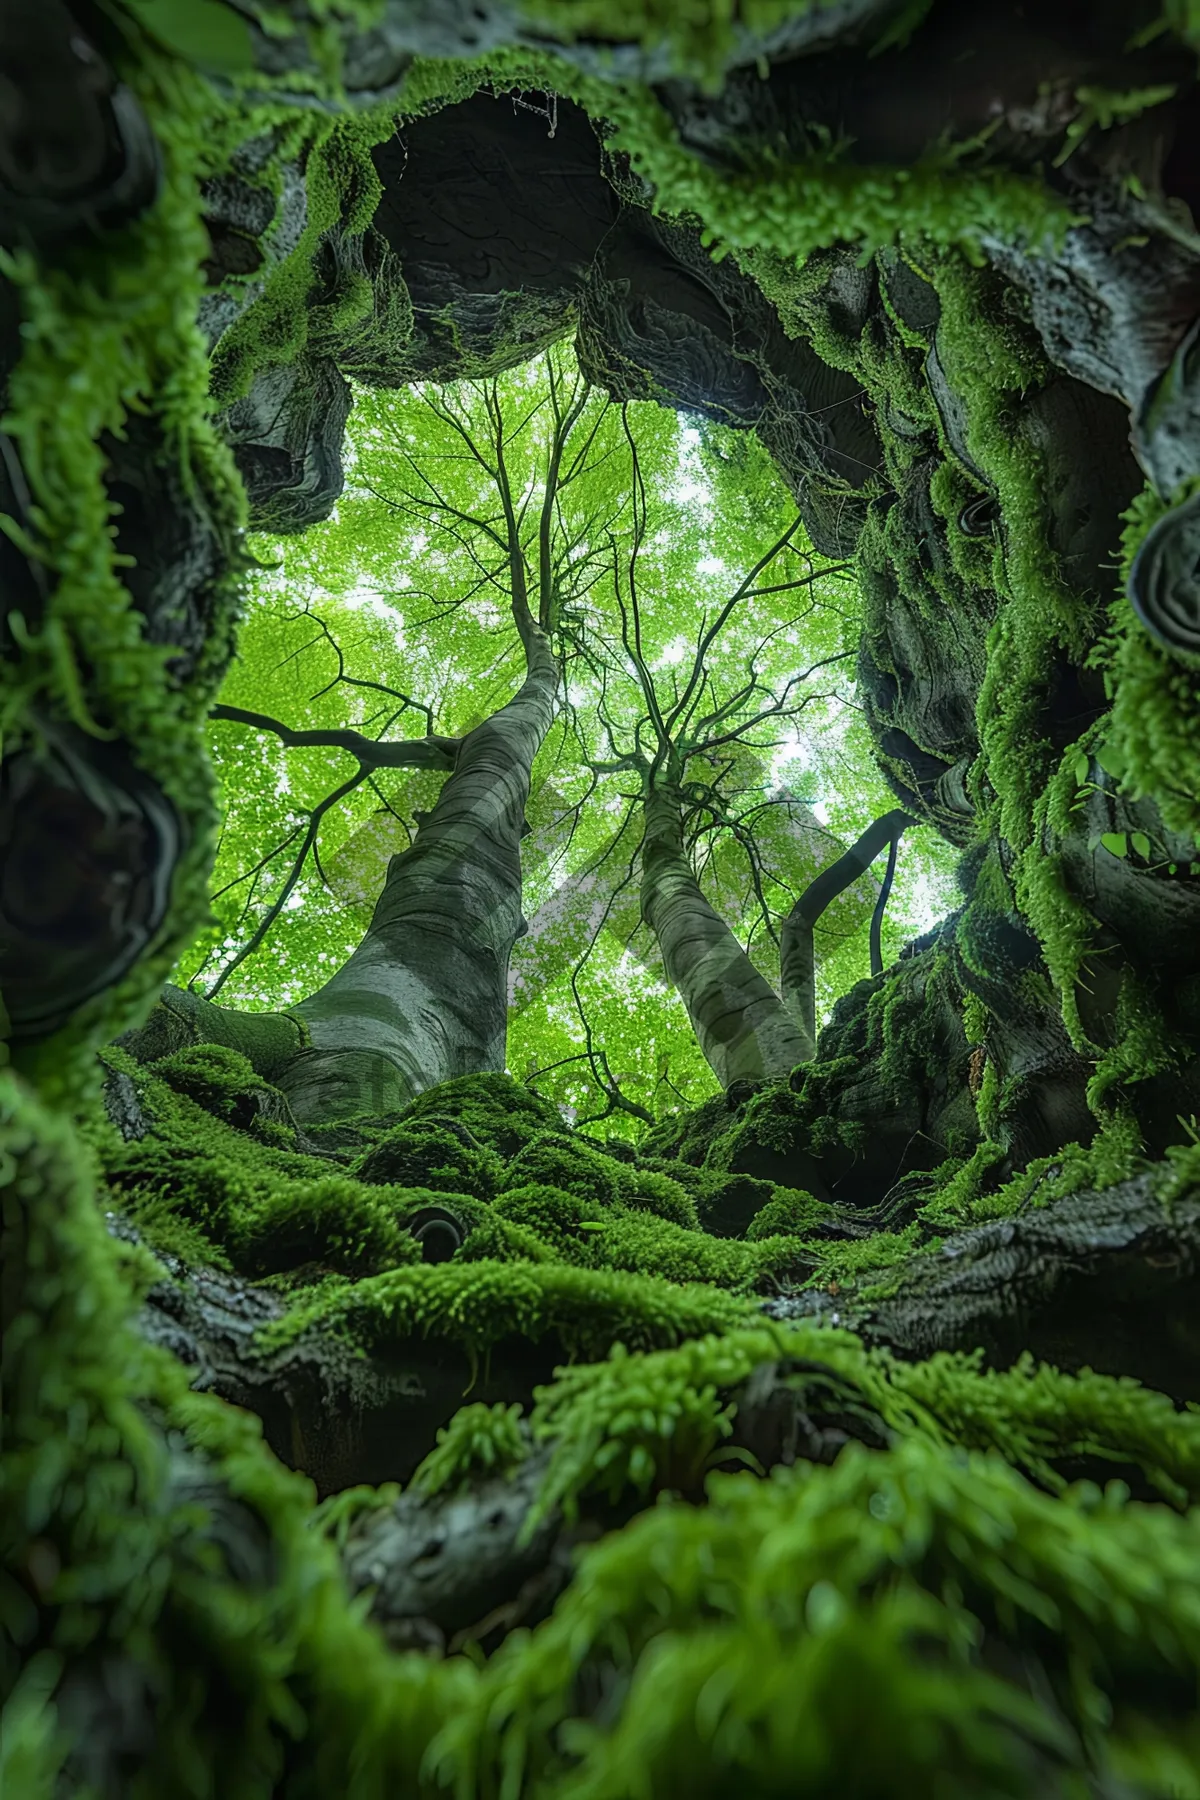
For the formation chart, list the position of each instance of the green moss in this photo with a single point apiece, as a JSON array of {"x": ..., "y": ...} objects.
[
  {"x": 874, "y": 1590},
  {"x": 497, "y": 1239},
  {"x": 429, "y": 1154},
  {"x": 336, "y": 1516},
  {"x": 551, "y": 1213},
  {"x": 202, "y": 1189},
  {"x": 869, "y": 1267},
  {"x": 499, "y": 1111},
  {"x": 680, "y": 1141},
  {"x": 342, "y": 192},
  {"x": 654, "y": 1191},
  {"x": 108, "y": 330},
  {"x": 216, "y": 1078},
  {"x": 556, "y": 1160},
  {"x": 802, "y": 1557},
  {"x": 966, "y": 1194},
  {"x": 647, "y": 1245},
  {"x": 790, "y": 1213},
  {"x": 867, "y": 1589},
  {"x": 729, "y": 1204},
  {"x": 478, "y": 1304},
  {"x": 665, "y": 1412},
  {"x": 129, "y": 1571},
  {"x": 479, "y": 1440},
  {"x": 262, "y": 1221},
  {"x": 1152, "y": 736}
]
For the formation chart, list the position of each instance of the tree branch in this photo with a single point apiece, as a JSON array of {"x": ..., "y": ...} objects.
[{"x": 414, "y": 753}]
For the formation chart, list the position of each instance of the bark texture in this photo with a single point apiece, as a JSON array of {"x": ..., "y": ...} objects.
[
  {"x": 739, "y": 1020},
  {"x": 424, "y": 997}
]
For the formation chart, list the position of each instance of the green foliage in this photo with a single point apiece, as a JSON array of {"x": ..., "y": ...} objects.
[
  {"x": 716, "y": 501},
  {"x": 479, "y": 1440},
  {"x": 202, "y": 32},
  {"x": 336, "y": 1516},
  {"x": 32, "y": 1749},
  {"x": 1101, "y": 108}
]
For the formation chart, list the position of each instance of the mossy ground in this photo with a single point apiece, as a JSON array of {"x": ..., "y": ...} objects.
[{"x": 960, "y": 1537}]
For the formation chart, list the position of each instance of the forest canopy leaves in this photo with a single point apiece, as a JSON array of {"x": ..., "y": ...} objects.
[{"x": 394, "y": 618}]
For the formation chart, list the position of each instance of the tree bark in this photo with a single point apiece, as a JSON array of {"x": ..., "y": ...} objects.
[
  {"x": 739, "y": 1020},
  {"x": 424, "y": 996},
  {"x": 797, "y": 961}
]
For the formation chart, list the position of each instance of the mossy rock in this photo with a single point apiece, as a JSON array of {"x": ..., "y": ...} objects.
[
  {"x": 654, "y": 1191},
  {"x": 223, "y": 1082},
  {"x": 440, "y": 1154},
  {"x": 334, "y": 1222},
  {"x": 497, "y": 1239},
  {"x": 730, "y": 1203},
  {"x": 792, "y": 1213},
  {"x": 690, "y": 1178},
  {"x": 551, "y": 1213},
  {"x": 258, "y": 1220},
  {"x": 688, "y": 1136},
  {"x": 770, "y": 1139},
  {"x": 500, "y": 1113},
  {"x": 560, "y": 1161}
]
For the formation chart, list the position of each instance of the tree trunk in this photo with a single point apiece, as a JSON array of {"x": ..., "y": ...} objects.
[
  {"x": 740, "y": 1022},
  {"x": 797, "y": 961},
  {"x": 424, "y": 996}
]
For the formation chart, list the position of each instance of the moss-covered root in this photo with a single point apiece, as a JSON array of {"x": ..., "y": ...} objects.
[{"x": 149, "y": 1546}]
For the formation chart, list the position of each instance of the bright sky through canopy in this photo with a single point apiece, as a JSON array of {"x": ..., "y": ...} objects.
[{"x": 394, "y": 619}]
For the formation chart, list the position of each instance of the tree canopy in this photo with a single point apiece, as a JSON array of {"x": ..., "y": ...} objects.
[{"x": 669, "y": 558}]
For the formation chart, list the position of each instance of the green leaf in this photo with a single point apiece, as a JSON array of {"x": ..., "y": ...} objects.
[
  {"x": 200, "y": 31},
  {"x": 1141, "y": 844},
  {"x": 1082, "y": 765},
  {"x": 1110, "y": 762},
  {"x": 1115, "y": 843}
]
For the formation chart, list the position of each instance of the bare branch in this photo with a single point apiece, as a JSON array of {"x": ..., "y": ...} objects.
[{"x": 412, "y": 753}]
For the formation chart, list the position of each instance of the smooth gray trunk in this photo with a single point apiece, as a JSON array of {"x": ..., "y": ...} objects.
[
  {"x": 740, "y": 1022},
  {"x": 424, "y": 996}
]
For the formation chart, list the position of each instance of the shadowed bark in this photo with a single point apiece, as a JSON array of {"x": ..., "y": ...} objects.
[{"x": 797, "y": 962}]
